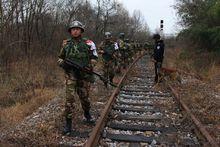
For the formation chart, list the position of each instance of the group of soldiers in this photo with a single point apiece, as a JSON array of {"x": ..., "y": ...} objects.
[{"x": 116, "y": 54}]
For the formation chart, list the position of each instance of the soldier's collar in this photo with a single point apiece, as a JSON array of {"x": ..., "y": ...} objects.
[{"x": 78, "y": 39}]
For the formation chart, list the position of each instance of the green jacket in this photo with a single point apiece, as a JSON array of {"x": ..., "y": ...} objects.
[
  {"x": 79, "y": 52},
  {"x": 109, "y": 49}
]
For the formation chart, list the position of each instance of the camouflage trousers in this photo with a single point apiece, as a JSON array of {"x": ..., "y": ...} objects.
[
  {"x": 109, "y": 70},
  {"x": 117, "y": 67},
  {"x": 124, "y": 59},
  {"x": 76, "y": 87}
]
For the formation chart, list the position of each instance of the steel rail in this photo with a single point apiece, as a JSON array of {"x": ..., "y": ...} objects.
[
  {"x": 196, "y": 121},
  {"x": 97, "y": 130}
]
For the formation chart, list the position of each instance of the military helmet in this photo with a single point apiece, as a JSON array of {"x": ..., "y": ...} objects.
[
  {"x": 76, "y": 24},
  {"x": 121, "y": 35},
  {"x": 108, "y": 35},
  {"x": 156, "y": 36}
]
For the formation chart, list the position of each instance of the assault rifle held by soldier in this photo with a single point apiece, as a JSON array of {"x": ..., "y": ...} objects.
[{"x": 69, "y": 64}]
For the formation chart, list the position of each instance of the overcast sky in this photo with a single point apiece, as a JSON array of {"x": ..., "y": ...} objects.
[{"x": 154, "y": 11}]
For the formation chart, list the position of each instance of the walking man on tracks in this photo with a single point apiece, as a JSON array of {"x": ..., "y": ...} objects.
[
  {"x": 128, "y": 52},
  {"x": 158, "y": 56},
  {"x": 109, "y": 49},
  {"x": 123, "y": 47},
  {"x": 83, "y": 52}
]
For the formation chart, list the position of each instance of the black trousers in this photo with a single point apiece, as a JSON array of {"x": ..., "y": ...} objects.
[{"x": 157, "y": 68}]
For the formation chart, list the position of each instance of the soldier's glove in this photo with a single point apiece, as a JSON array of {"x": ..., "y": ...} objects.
[
  {"x": 64, "y": 43},
  {"x": 101, "y": 52},
  {"x": 60, "y": 62},
  {"x": 93, "y": 62},
  {"x": 63, "y": 65}
]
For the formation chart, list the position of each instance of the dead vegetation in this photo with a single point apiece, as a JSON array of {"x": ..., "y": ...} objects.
[
  {"x": 199, "y": 84},
  {"x": 27, "y": 87},
  {"x": 44, "y": 123},
  {"x": 31, "y": 33}
]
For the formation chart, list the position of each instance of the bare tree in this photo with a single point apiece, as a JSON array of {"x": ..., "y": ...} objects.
[
  {"x": 1, "y": 24},
  {"x": 36, "y": 27}
]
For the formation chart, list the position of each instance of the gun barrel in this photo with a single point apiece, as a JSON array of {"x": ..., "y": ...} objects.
[{"x": 86, "y": 69}]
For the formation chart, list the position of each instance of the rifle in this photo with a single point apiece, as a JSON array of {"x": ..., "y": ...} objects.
[{"x": 75, "y": 65}]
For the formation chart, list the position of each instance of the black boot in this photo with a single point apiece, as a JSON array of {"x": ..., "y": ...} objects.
[
  {"x": 106, "y": 84},
  {"x": 111, "y": 78},
  {"x": 156, "y": 79},
  {"x": 88, "y": 117},
  {"x": 68, "y": 126}
]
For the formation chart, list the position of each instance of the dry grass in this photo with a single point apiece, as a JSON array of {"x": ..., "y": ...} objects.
[
  {"x": 202, "y": 103},
  {"x": 171, "y": 56},
  {"x": 213, "y": 75},
  {"x": 200, "y": 94},
  {"x": 23, "y": 77},
  {"x": 25, "y": 86},
  {"x": 201, "y": 64},
  {"x": 16, "y": 113}
]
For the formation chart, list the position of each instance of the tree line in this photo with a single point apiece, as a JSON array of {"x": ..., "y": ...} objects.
[
  {"x": 32, "y": 31},
  {"x": 201, "y": 20},
  {"x": 37, "y": 27}
]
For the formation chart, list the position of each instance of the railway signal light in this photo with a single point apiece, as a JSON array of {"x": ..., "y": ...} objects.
[{"x": 161, "y": 25}]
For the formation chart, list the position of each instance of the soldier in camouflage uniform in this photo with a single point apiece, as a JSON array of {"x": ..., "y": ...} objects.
[
  {"x": 83, "y": 52},
  {"x": 147, "y": 47},
  {"x": 108, "y": 49},
  {"x": 128, "y": 51},
  {"x": 123, "y": 50},
  {"x": 133, "y": 47}
]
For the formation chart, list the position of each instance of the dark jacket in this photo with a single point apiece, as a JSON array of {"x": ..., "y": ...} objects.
[{"x": 159, "y": 51}]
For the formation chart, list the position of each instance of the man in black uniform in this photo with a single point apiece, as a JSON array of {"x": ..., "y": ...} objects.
[{"x": 158, "y": 56}]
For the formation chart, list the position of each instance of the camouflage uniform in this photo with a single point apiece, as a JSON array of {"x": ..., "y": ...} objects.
[
  {"x": 124, "y": 50},
  {"x": 109, "y": 49},
  {"x": 133, "y": 47},
  {"x": 78, "y": 82},
  {"x": 129, "y": 50},
  {"x": 82, "y": 52},
  {"x": 148, "y": 47}
]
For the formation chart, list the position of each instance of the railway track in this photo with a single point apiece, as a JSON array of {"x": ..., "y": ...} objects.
[{"x": 139, "y": 115}]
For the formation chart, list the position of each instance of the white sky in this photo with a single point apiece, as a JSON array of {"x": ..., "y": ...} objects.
[{"x": 154, "y": 11}]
